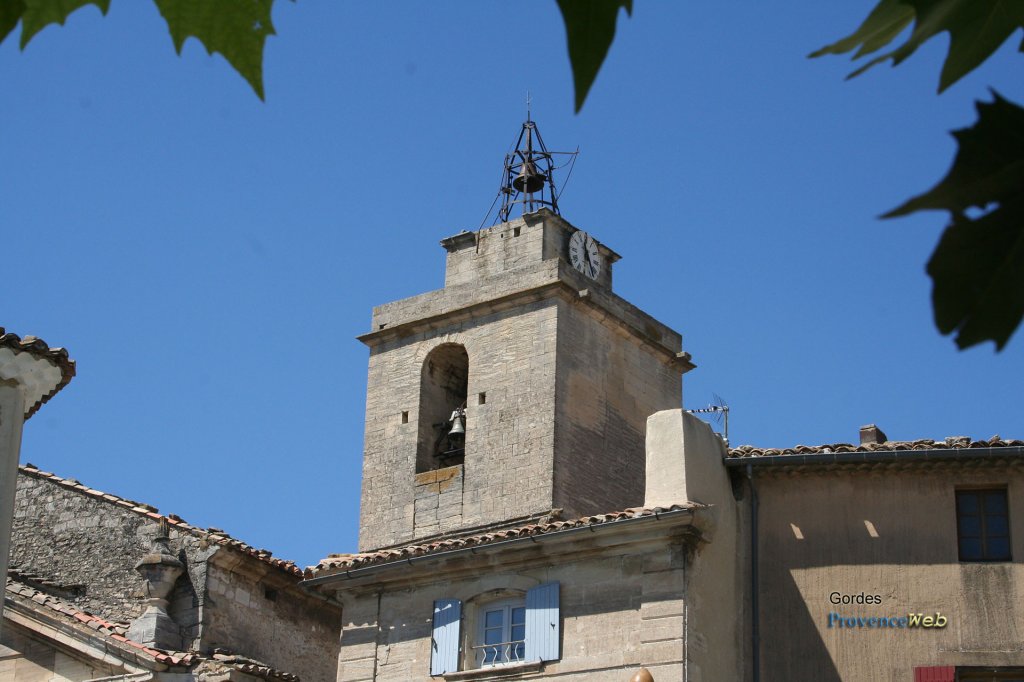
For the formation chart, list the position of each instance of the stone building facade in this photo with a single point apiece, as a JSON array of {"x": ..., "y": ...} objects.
[
  {"x": 602, "y": 596},
  {"x": 537, "y": 505},
  {"x": 855, "y": 543},
  {"x": 555, "y": 373},
  {"x": 548, "y": 525},
  {"x": 79, "y": 549}
]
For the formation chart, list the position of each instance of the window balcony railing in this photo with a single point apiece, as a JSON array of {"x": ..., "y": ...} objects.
[{"x": 500, "y": 653}]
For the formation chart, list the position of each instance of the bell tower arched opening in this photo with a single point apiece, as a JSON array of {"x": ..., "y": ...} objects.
[{"x": 442, "y": 411}]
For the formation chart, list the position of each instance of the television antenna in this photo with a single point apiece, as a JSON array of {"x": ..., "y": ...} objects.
[{"x": 720, "y": 410}]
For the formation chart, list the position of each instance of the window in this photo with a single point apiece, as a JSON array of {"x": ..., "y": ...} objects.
[
  {"x": 508, "y": 632},
  {"x": 982, "y": 525},
  {"x": 502, "y": 633}
]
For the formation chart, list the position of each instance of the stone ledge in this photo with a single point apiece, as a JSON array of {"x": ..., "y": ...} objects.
[{"x": 502, "y": 672}]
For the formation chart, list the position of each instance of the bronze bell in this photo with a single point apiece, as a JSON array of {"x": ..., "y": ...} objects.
[
  {"x": 529, "y": 180},
  {"x": 642, "y": 675}
]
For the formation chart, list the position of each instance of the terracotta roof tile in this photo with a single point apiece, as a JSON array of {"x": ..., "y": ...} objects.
[
  {"x": 351, "y": 561},
  {"x": 953, "y": 442},
  {"x": 115, "y": 631},
  {"x": 151, "y": 512},
  {"x": 118, "y": 631},
  {"x": 251, "y": 666},
  {"x": 37, "y": 347}
]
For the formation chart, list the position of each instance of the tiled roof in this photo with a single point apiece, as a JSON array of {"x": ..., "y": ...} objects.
[
  {"x": 213, "y": 535},
  {"x": 252, "y": 667},
  {"x": 38, "y": 348},
  {"x": 951, "y": 443},
  {"x": 36, "y": 599},
  {"x": 336, "y": 562}
]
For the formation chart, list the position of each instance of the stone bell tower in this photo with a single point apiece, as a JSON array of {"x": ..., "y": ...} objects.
[{"x": 521, "y": 389}]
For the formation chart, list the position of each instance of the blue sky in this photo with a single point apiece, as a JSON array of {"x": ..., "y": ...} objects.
[{"x": 208, "y": 258}]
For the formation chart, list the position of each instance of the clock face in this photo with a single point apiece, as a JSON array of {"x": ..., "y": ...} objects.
[{"x": 583, "y": 254}]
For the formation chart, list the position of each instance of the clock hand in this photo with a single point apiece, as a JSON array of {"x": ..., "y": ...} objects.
[{"x": 591, "y": 244}]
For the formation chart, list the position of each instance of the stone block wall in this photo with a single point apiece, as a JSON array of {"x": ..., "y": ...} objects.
[
  {"x": 562, "y": 376},
  {"x": 88, "y": 548},
  {"x": 618, "y": 612},
  {"x": 438, "y": 501},
  {"x": 31, "y": 660},
  {"x": 509, "y": 423},
  {"x": 475, "y": 256},
  {"x": 608, "y": 384},
  {"x": 252, "y": 614}
]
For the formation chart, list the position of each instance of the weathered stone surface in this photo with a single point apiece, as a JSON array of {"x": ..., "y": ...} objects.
[
  {"x": 559, "y": 386},
  {"x": 612, "y": 620},
  {"x": 224, "y": 598},
  {"x": 25, "y": 658}
]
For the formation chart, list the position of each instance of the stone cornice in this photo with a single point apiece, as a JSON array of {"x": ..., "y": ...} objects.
[
  {"x": 561, "y": 539},
  {"x": 558, "y": 281}
]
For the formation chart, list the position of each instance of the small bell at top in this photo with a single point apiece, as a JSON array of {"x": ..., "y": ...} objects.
[{"x": 529, "y": 180}]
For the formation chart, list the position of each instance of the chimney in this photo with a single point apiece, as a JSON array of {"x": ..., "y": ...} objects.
[{"x": 872, "y": 435}]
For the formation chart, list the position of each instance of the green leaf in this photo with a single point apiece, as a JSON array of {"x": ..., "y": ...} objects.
[
  {"x": 977, "y": 274},
  {"x": 38, "y": 14},
  {"x": 977, "y": 269},
  {"x": 10, "y": 15},
  {"x": 235, "y": 28},
  {"x": 589, "y": 30},
  {"x": 884, "y": 23},
  {"x": 976, "y": 29},
  {"x": 989, "y": 164}
]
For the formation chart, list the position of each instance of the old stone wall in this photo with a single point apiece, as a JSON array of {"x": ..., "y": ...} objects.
[
  {"x": 509, "y": 424},
  {"x": 30, "y": 660},
  {"x": 618, "y": 611},
  {"x": 608, "y": 385},
  {"x": 506, "y": 301},
  {"x": 256, "y": 615},
  {"x": 438, "y": 501},
  {"x": 472, "y": 257},
  {"x": 90, "y": 548},
  {"x": 830, "y": 542}
]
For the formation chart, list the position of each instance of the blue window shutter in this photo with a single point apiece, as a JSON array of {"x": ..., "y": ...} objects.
[
  {"x": 444, "y": 644},
  {"x": 542, "y": 623}
]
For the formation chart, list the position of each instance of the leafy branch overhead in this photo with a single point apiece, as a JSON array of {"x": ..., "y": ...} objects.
[
  {"x": 236, "y": 29},
  {"x": 977, "y": 269},
  {"x": 976, "y": 30},
  {"x": 589, "y": 31}
]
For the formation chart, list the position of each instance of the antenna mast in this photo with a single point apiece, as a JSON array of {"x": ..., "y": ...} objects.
[{"x": 721, "y": 411}]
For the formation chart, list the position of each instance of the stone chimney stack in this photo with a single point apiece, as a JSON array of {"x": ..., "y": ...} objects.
[
  {"x": 159, "y": 569},
  {"x": 871, "y": 434}
]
